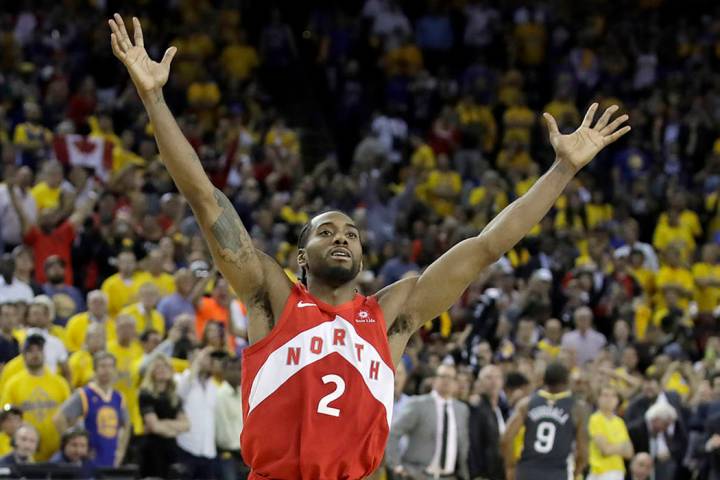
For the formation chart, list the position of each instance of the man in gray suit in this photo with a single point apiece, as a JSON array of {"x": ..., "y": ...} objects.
[{"x": 436, "y": 426}]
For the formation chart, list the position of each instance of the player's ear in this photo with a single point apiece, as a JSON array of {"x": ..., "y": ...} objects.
[{"x": 301, "y": 257}]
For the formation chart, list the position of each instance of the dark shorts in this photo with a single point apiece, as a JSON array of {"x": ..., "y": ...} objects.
[{"x": 533, "y": 472}]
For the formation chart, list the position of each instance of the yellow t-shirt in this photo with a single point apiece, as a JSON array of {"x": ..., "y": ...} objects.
[
  {"x": 238, "y": 61},
  {"x": 11, "y": 368},
  {"x": 614, "y": 431},
  {"x": 673, "y": 276},
  {"x": 39, "y": 398},
  {"x": 423, "y": 158},
  {"x": 122, "y": 293},
  {"x": 81, "y": 368},
  {"x": 681, "y": 236},
  {"x": 707, "y": 298},
  {"x": 294, "y": 217},
  {"x": 563, "y": 109},
  {"x": 688, "y": 220},
  {"x": 76, "y": 330},
  {"x": 127, "y": 378},
  {"x": 448, "y": 179},
  {"x": 142, "y": 321},
  {"x": 164, "y": 282},
  {"x": 45, "y": 196},
  {"x": 645, "y": 278},
  {"x": 481, "y": 115},
  {"x": 551, "y": 350},
  {"x": 478, "y": 194},
  {"x": 598, "y": 214}
]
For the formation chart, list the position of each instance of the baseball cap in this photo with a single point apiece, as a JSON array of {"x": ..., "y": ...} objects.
[{"x": 34, "y": 339}]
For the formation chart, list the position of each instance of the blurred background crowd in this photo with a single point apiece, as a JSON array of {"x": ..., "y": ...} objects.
[{"x": 419, "y": 118}]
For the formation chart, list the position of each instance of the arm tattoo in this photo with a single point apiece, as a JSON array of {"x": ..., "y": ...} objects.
[{"x": 235, "y": 244}]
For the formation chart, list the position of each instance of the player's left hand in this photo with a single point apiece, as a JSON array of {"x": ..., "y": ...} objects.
[{"x": 581, "y": 146}]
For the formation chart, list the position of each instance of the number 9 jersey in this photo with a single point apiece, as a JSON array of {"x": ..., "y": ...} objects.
[
  {"x": 550, "y": 432},
  {"x": 317, "y": 391}
]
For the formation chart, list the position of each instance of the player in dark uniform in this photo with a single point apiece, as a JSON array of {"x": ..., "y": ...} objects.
[{"x": 555, "y": 424}]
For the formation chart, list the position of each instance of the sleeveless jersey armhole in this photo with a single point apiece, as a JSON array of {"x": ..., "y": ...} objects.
[{"x": 295, "y": 293}]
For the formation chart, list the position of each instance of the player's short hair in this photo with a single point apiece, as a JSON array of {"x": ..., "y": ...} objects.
[
  {"x": 556, "y": 374},
  {"x": 515, "y": 380}
]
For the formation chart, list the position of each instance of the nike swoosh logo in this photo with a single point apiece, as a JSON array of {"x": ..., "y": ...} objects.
[{"x": 303, "y": 305}]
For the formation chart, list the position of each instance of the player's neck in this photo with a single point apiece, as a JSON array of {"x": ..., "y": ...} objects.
[{"x": 330, "y": 294}]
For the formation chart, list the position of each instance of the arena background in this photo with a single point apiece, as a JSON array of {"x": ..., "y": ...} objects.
[{"x": 423, "y": 120}]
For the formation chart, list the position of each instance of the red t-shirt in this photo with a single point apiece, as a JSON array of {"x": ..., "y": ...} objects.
[{"x": 58, "y": 242}]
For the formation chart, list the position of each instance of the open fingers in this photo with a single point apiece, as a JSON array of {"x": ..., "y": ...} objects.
[
  {"x": 552, "y": 124},
  {"x": 611, "y": 138},
  {"x": 605, "y": 118},
  {"x": 124, "y": 38},
  {"x": 614, "y": 125},
  {"x": 590, "y": 115},
  {"x": 137, "y": 33},
  {"x": 117, "y": 50}
]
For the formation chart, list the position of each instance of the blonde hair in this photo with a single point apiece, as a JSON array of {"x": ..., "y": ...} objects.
[{"x": 148, "y": 382}]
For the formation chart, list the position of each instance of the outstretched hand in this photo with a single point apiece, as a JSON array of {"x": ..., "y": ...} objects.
[
  {"x": 581, "y": 146},
  {"x": 147, "y": 75}
]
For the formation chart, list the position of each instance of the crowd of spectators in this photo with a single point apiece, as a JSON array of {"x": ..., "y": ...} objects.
[{"x": 434, "y": 109}]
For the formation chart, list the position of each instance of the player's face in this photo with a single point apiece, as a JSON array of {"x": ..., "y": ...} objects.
[{"x": 333, "y": 252}]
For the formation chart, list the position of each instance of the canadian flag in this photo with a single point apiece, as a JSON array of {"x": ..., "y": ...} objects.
[{"x": 89, "y": 152}]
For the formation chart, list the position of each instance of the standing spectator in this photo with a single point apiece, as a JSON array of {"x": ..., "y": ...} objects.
[
  {"x": 157, "y": 274},
  {"x": 56, "y": 285},
  {"x": 215, "y": 307},
  {"x": 487, "y": 424},
  {"x": 584, "y": 340},
  {"x": 631, "y": 237},
  {"x": 31, "y": 139},
  {"x": 609, "y": 439},
  {"x": 103, "y": 412},
  {"x": 9, "y": 321},
  {"x": 39, "y": 321},
  {"x": 121, "y": 288},
  {"x": 52, "y": 235},
  {"x": 436, "y": 426},
  {"x": 81, "y": 361},
  {"x": 199, "y": 396},
  {"x": 25, "y": 441},
  {"x": 182, "y": 300},
  {"x": 145, "y": 312},
  {"x": 229, "y": 422},
  {"x": 650, "y": 394},
  {"x": 127, "y": 351},
  {"x": 19, "y": 186},
  {"x": 78, "y": 325},
  {"x": 661, "y": 435},
  {"x": 40, "y": 391},
  {"x": 12, "y": 289},
  {"x": 163, "y": 419}
]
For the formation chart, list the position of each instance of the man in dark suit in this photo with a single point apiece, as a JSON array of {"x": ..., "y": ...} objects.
[
  {"x": 486, "y": 425},
  {"x": 650, "y": 394},
  {"x": 25, "y": 443},
  {"x": 661, "y": 435},
  {"x": 436, "y": 427}
]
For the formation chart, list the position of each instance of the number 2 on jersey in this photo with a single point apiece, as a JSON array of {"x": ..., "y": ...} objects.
[
  {"x": 323, "y": 406},
  {"x": 545, "y": 437}
]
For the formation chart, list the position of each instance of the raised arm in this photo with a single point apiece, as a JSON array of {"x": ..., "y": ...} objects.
[
  {"x": 229, "y": 241},
  {"x": 442, "y": 283}
]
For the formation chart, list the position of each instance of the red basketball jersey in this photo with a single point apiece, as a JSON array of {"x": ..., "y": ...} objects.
[{"x": 317, "y": 392}]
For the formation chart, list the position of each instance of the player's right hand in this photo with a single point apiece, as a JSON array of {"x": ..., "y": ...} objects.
[{"x": 147, "y": 75}]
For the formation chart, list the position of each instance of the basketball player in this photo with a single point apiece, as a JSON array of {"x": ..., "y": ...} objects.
[
  {"x": 553, "y": 422},
  {"x": 317, "y": 381}
]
